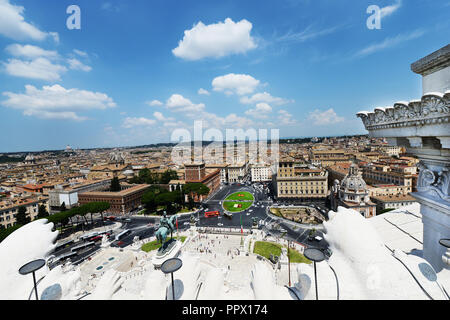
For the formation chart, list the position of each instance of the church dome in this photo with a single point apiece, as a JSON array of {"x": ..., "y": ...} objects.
[{"x": 353, "y": 181}]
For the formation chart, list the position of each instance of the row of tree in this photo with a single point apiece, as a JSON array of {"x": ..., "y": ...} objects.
[
  {"x": 63, "y": 218},
  {"x": 66, "y": 217},
  {"x": 175, "y": 200},
  {"x": 145, "y": 176}
]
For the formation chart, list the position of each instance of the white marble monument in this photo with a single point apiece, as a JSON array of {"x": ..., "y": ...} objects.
[{"x": 423, "y": 127}]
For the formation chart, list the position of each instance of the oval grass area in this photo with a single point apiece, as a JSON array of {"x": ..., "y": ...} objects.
[
  {"x": 235, "y": 206},
  {"x": 238, "y": 201},
  {"x": 241, "y": 195}
]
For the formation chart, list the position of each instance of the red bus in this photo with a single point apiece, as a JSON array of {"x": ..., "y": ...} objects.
[{"x": 211, "y": 214}]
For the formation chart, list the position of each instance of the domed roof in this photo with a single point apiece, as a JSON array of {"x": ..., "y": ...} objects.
[
  {"x": 353, "y": 180},
  {"x": 29, "y": 158}
]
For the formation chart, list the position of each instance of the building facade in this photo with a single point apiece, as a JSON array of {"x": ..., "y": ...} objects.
[
  {"x": 297, "y": 181},
  {"x": 261, "y": 173},
  {"x": 122, "y": 202}
]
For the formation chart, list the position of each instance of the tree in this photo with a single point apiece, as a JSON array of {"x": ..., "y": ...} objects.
[
  {"x": 190, "y": 202},
  {"x": 21, "y": 217},
  {"x": 63, "y": 208},
  {"x": 167, "y": 176},
  {"x": 167, "y": 199},
  {"x": 148, "y": 200},
  {"x": 115, "y": 185},
  {"x": 42, "y": 213},
  {"x": 198, "y": 189},
  {"x": 4, "y": 233}
]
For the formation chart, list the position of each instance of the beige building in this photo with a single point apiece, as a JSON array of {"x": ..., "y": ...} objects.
[
  {"x": 236, "y": 172},
  {"x": 261, "y": 172},
  {"x": 385, "y": 174},
  {"x": 9, "y": 209},
  {"x": 387, "y": 190},
  {"x": 122, "y": 202},
  {"x": 392, "y": 202},
  {"x": 297, "y": 181},
  {"x": 325, "y": 158},
  {"x": 391, "y": 150}
]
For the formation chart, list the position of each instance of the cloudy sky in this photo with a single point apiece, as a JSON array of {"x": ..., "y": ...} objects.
[{"x": 137, "y": 70}]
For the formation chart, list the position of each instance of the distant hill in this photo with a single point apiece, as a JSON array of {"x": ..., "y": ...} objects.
[{"x": 7, "y": 159}]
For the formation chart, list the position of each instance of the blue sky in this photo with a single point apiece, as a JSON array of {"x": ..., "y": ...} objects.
[{"x": 137, "y": 70}]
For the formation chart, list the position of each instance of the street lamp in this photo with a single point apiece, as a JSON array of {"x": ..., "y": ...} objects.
[
  {"x": 32, "y": 267},
  {"x": 446, "y": 256},
  {"x": 170, "y": 266},
  {"x": 314, "y": 255}
]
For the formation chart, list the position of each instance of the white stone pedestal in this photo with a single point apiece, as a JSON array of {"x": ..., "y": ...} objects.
[
  {"x": 158, "y": 260},
  {"x": 436, "y": 226}
]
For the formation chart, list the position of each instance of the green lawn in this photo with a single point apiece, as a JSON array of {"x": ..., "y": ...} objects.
[
  {"x": 264, "y": 248},
  {"x": 246, "y": 196},
  {"x": 154, "y": 245},
  {"x": 228, "y": 203},
  {"x": 229, "y": 206}
]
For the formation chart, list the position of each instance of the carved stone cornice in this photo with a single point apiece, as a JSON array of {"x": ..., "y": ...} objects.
[{"x": 432, "y": 109}]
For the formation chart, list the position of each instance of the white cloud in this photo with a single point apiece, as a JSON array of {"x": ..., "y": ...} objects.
[
  {"x": 154, "y": 103},
  {"x": 215, "y": 40},
  {"x": 29, "y": 51},
  {"x": 108, "y": 6},
  {"x": 388, "y": 10},
  {"x": 203, "y": 92},
  {"x": 80, "y": 53},
  {"x": 179, "y": 103},
  {"x": 390, "y": 42},
  {"x": 62, "y": 115},
  {"x": 55, "y": 36},
  {"x": 135, "y": 122},
  {"x": 56, "y": 102},
  {"x": 14, "y": 26},
  {"x": 285, "y": 118},
  {"x": 261, "y": 111},
  {"x": 264, "y": 97},
  {"x": 39, "y": 68},
  {"x": 324, "y": 117},
  {"x": 306, "y": 34},
  {"x": 160, "y": 117},
  {"x": 235, "y": 83},
  {"x": 76, "y": 64}
]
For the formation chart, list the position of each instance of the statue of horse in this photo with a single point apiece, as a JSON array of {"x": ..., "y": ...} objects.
[
  {"x": 161, "y": 234},
  {"x": 166, "y": 225}
]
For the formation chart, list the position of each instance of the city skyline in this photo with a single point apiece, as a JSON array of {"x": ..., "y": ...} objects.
[{"x": 304, "y": 67}]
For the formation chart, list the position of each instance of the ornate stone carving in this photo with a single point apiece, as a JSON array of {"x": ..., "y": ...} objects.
[
  {"x": 432, "y": 108},
  {"x": 434, "y": 183}
]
